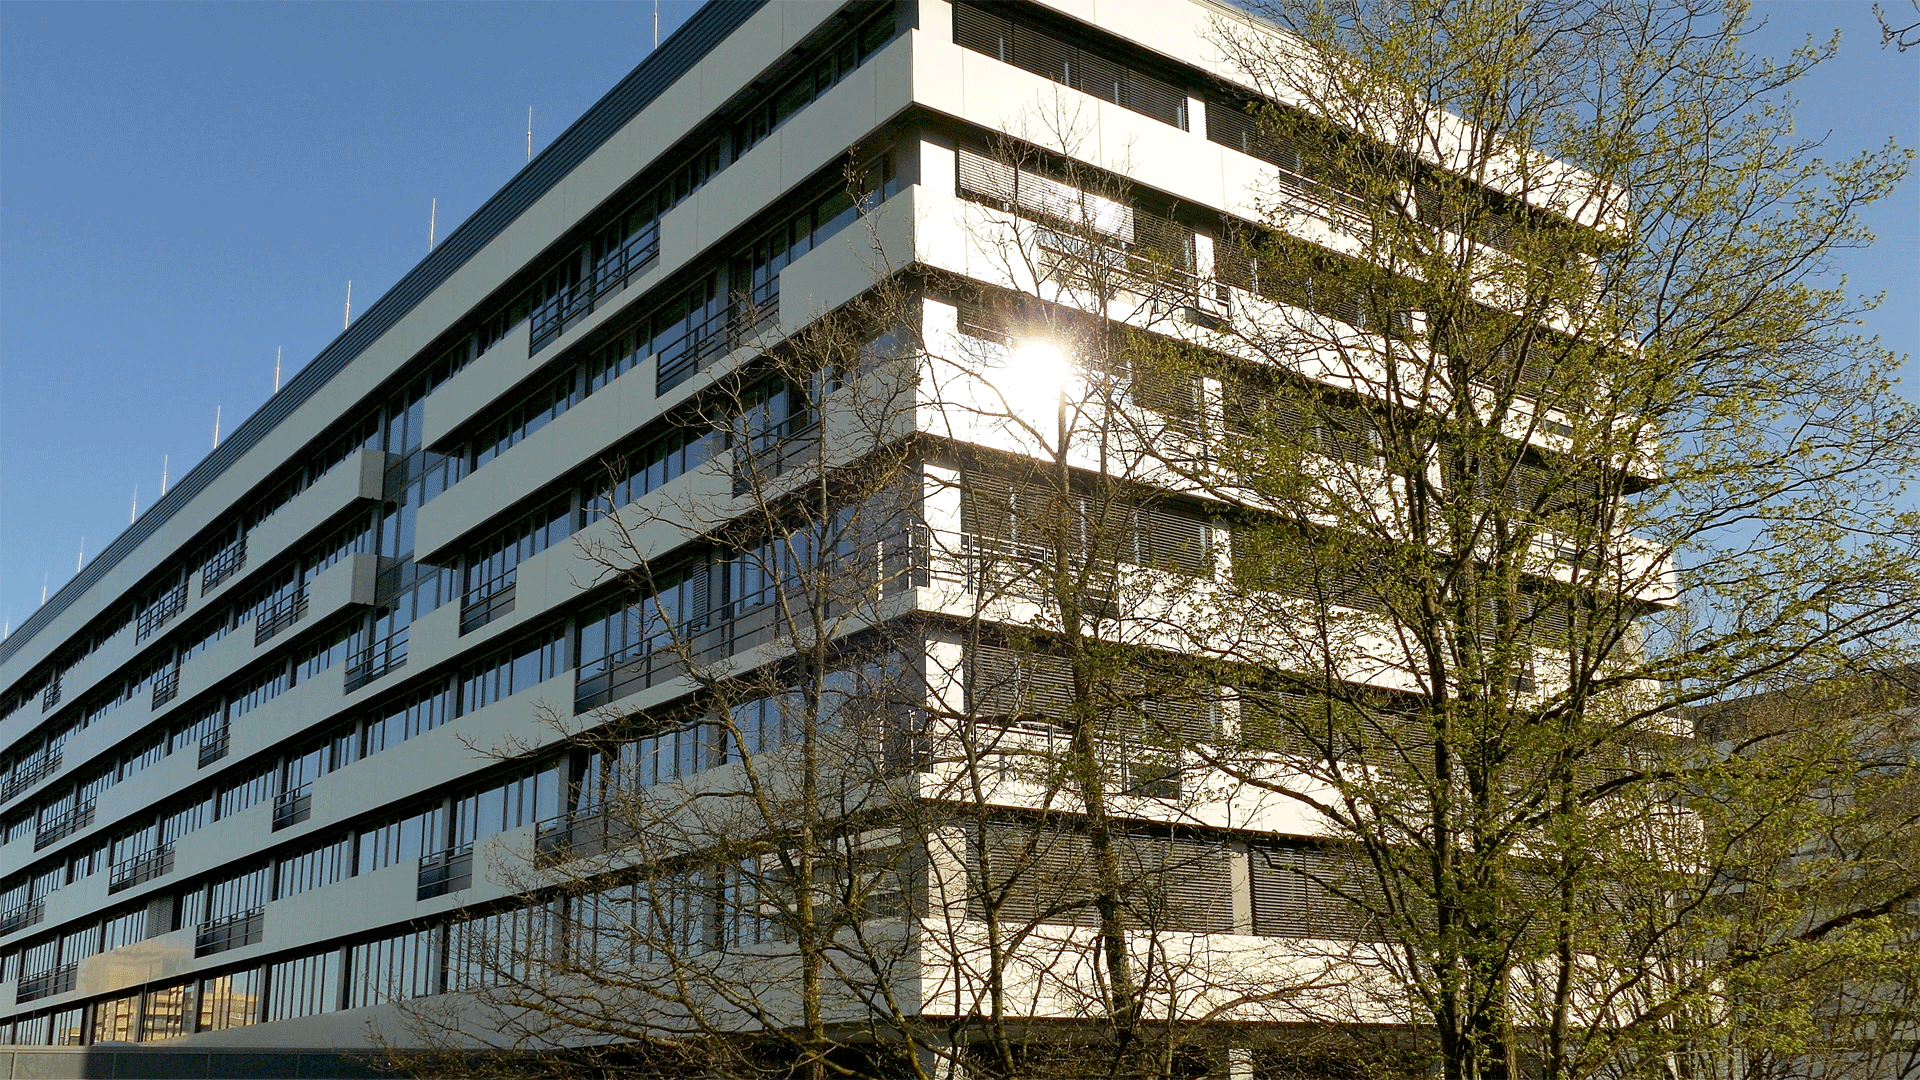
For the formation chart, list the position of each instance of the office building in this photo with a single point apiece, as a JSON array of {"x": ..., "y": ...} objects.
[{"x": 262, "y": 761}]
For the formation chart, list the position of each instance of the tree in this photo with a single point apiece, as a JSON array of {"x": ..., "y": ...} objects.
[
  {"x": 1421, "y": 509},
  {"x": 904, "y": 789},
  {"x": 1833, "y": 945},
  {"x": 1895, "y": 33},
  {"x": 1549, "y": 423},
  {"x": 1076, "y": 558},
  {"x": 707, "y": 901}
]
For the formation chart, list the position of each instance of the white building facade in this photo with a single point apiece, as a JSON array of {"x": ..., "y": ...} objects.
[{"x": 264, "y": 759}]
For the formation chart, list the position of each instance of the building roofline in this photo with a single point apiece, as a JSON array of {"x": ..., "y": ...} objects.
[{"x": 677, "y": 55}]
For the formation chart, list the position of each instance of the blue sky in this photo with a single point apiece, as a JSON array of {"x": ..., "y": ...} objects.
[{"x": 185, "y": 188}]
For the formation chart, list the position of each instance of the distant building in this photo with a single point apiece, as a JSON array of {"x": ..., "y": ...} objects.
[{"x": 1866, "y": 1027}]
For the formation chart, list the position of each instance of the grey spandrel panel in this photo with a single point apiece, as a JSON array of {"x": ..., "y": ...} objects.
[
  {"x": 59, "y": 1065},
  {"x": 85, "y": 676},
  {"x": 676, "y": 57},
  {"x": 155, "y": 1063},
  {"x": 160, "y": 1065},
  {"x": 539, "y": 461},
  {"x": 324, "y": 1066},
  {"x": 257, "y": 1065}
]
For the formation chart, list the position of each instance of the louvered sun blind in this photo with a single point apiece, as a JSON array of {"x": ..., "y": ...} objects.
[
  {"x": 1166, "y": 238},
  {"x": 1009, "y": 684},
  {"x": 1279, "y": 720},
  {"x": 1533, "y": 489},
  {"x": 1176, "y": 541},
  {"x": 1494, "y": 343},
  {"x": 987, "y": 178},
  {"x": 1536, "y": 489},
  {"x": 1345, "y": 434},
  {"x": 1160, "y": 536},
  {"x": 982, "y": 320},
  {"x": 1041, "y": 196},
  {"x": 986, "y": 507},
  {"x": 1233, "y": 127},
  {"x": 1304, "y": 893},
  {"x": 1477, "y": 219},
  {"x": 1332, "y": 287},
  {"x": 1013, "y": 512},
  {"x": 1033, "y": 49},
  {"x": 1014, "y": 685},
  {"x": 1039, "y": 874},
  {"x": 1175, "y": 395},
  {"x": 1314, "y": 726},
  {"x": 1185, "y": 718},
  {"x": 1301, "y": 165},
  {"x": 1348, "y": 584},
  {"x": 1331, "y": 572},
  {"x": 1248, "y": 407},
  {"x": 1550, "y": 620},
  {"x": 1326, "y": 293},
  {"x": 1341, "y": 432}
]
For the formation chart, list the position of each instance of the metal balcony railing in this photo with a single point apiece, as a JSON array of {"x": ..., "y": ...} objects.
[
  {"x": 29, "y": 773},
  {"x": 616, "y": 266},
  {"x": 232, "y": 932},
  {"x": 765, "y": 458},
  {"x": 377, "y": 659},
  {"x": 228, "y": 561},
  {"x": 60, "y": 980},
  {"x": 447, "y": 872},
  {"x": 171, "y": 603},
  {"x": 694, "y": 347},
  {"x": 58, "y": 828},
  {"x": 292, "y": 807},
  {"x": 141, "y": 868},
  {"x": 166, "y": 685},
  {"x": 701, "y": 343},
  {"x": 736, "y": 627},
  {"x": 284, "y": 613},
  {"x": 588, "y": 830},
  {"x": 488, "y": 601},
  {"x": 552, "y": 316},
  {"x": 626, "y": 672},
  {"x": 21, "y": 916},
  {"x": 214, "y": 745},
  {"x": 992, "y": 566}
]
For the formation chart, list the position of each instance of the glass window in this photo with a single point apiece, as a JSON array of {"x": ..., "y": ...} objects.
[
  {"x": 411, "y": 837},
  {"x": 230, "y": 1001},
  {"x": 319, "y": 867},
  {"x": 166, "y": 1014},
  {"x": 403, "y": 721},
  {"x": 505, "y": 676},
  {"x": 113, "y": 1019},
  {"x": 306, "y": 986},
  {"x": 499, "y": 948},
  {"x": 122, "y": 929},
  {"x": 66, "y": 1027},
  {"x": 249, "y": 792},
  {"x": 237, "y": 895},
  {"x": 393, "y": 969}
]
